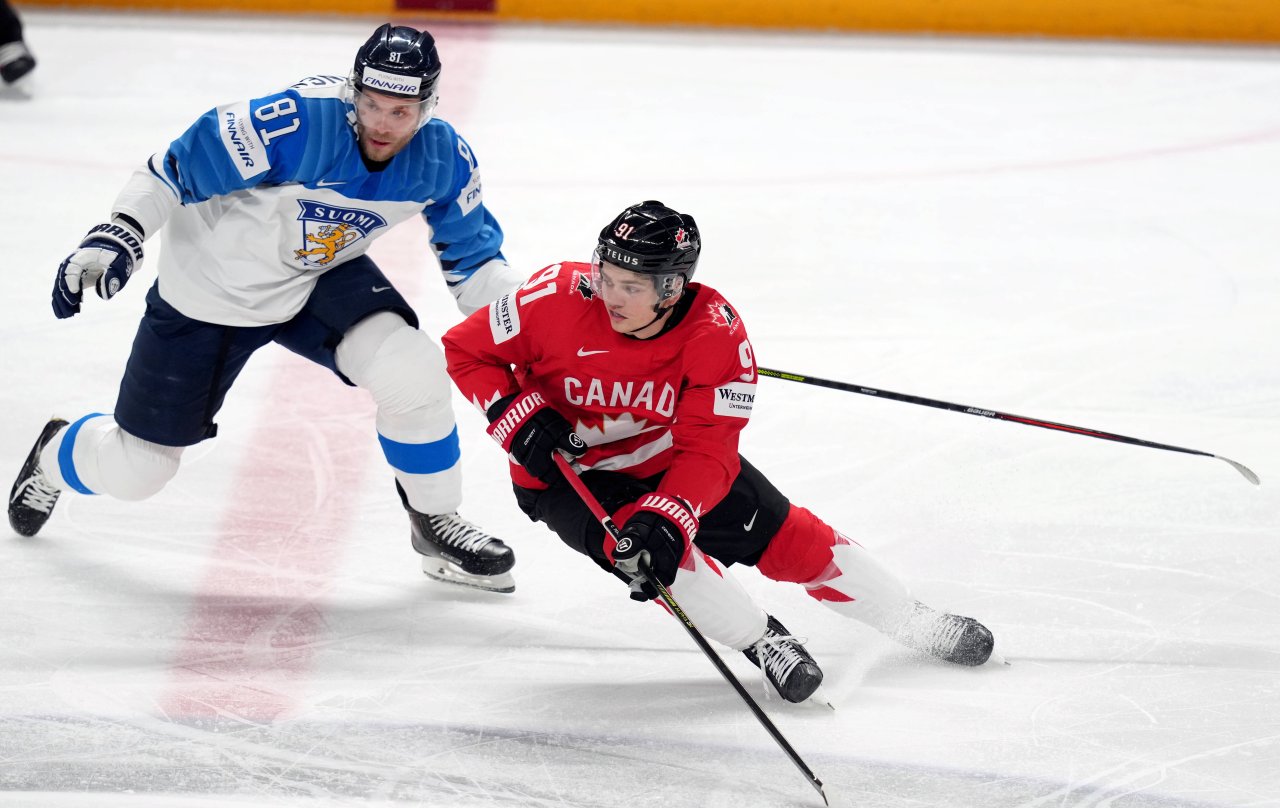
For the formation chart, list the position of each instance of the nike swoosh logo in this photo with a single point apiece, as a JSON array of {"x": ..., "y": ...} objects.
[
  {"x": 327, "y": 183},
  {"x": 379, "y": 288},
  {"x": 585, "y": 352},
  {"x": 752, "y": 521}
]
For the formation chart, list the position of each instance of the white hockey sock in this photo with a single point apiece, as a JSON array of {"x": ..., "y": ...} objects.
[
  {"x": 104, "y": 459},
  {"x": 717, "y": 604},
  {"x": 430, "y": 492},
  {"x": 856, "y": 585},
  {"x": 404, "y": 371}
]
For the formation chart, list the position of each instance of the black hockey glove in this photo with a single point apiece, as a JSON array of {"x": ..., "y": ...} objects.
[
  {"x": 657, "y": 534},
  {"x": 105, "y": 259},
  {"x": 530, "y": 430}
]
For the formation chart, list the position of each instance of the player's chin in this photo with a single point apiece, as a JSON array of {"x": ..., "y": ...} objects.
[{"x": 380, "y": 150}]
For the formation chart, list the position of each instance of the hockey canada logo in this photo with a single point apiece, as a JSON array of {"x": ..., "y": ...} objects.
[
  {"x": 583, "y": 286},
  {"x": 328, "y": 230},
  {"x": 722, "y": 315}
]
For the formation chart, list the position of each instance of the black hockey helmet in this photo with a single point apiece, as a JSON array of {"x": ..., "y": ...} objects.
[
  {"x": 652, "y": 239},
  {"x": 399, "y": 61}
]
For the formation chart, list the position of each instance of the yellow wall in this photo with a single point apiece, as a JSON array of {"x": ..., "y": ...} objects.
[
  {"x": 1207, "y": 20},
  {"x": 1241, "y": 20},
  {"x": 376, "y": 7}
]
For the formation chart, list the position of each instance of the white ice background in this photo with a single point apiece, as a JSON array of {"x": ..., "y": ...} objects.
[{"x": 1079, "y": 232}]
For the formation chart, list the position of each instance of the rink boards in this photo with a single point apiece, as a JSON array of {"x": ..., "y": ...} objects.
[{"x": 1245, "y": 21}]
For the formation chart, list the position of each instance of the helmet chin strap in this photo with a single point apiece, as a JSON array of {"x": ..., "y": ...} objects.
[{"x": 660, "y": 312}]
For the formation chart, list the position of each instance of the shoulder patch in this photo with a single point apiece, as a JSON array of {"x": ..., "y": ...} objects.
[
  {"x": 735, "y": 399},
  {"x": 469, "y": 196},
  {"x": 504, "y": 319},
  {"x": 241, "y": 140}
]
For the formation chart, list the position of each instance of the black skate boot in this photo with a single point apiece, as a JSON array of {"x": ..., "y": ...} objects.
[
  {"x": 788, "y": 667},
  {"x": 15, "y": 62},
  {"x": 949, "y": 637},
  {"x": 457, "y": 552},
  {"x": 32, "y": 499}
]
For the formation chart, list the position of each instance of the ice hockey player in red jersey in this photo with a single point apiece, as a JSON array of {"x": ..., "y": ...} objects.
[{"x": 644, "y": 380}]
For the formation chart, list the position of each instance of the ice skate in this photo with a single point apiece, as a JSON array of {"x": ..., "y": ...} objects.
[
  {"x": 16, "y": 61},
  {"x": 949, "y": 637},
  {"x": 32, "y": 498},
  {"x": 786, "y": 664},
  {"x": 455, "y": 551}
]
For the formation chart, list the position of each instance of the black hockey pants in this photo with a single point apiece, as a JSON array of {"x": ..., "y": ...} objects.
[{"x": 736, "y": 531}]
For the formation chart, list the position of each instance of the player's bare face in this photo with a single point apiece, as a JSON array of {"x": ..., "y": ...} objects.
[
  {"x": 629, "y": 297},
  {"x": 385, "y": 123}
]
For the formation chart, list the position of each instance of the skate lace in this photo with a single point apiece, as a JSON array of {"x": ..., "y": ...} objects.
[
  {"x": 12, "y": 51},
  {"x": 457, "y": 532},
  {"x": 932, "y": 631},
  {"x": 946, "y": 633},
  {"x": 37, "y": 493},
  {"x": 777, "y": 656}
]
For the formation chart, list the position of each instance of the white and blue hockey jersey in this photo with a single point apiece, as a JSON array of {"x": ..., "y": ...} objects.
[{"x": 260, "y": 197}]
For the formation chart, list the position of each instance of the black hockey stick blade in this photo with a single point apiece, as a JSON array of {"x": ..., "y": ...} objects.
[{"x": 982, "y": 412}]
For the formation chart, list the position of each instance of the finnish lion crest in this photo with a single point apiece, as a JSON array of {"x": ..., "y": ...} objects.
[{"x": 327, "y": 230}]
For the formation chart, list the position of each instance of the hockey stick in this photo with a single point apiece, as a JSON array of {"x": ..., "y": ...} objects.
[
  {"x": 598, "y": 511},
  {"x": 999, "y": 416}
]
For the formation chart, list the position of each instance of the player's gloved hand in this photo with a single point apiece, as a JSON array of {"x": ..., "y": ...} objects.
[
  {"x": 530, "y": 430},
  {"x": 104, "y": 260},
  {"x": 657, "y": 534}
]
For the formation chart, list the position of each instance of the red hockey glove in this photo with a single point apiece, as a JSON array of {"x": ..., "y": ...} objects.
[
  {"x": 658, "y": 535},
  {"x": 530, "y": 430}
]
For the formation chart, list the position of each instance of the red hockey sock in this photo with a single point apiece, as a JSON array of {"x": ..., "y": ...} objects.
[
  {"x": 836, "y": 570},
  {"x": 800, "y": 552}
]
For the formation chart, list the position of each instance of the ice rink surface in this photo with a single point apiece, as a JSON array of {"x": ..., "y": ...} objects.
[{"x": 1084, "y": 233}]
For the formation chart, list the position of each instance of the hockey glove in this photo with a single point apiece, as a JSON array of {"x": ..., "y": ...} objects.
[
  {"x": 530, "y": 430},
  {"x": 105, "y": 259},
  {"x": 658, "y": 535}
]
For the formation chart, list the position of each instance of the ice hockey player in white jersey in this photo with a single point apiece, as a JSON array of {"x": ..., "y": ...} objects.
[{"x": 268, "y": 207}]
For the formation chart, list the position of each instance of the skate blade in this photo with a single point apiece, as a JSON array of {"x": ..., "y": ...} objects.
[
  {"x": 438, "y": 569},
  {"x": 820, "y": 699}
]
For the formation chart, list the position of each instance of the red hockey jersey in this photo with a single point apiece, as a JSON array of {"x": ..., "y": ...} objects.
[{"x": 675, "y": 403}]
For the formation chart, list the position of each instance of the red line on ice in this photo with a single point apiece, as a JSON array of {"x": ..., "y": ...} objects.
[{"x": 258, "y": 613}]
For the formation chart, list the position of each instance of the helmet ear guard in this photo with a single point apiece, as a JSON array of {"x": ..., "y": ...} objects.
[{"x": 670, "y": 285}]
